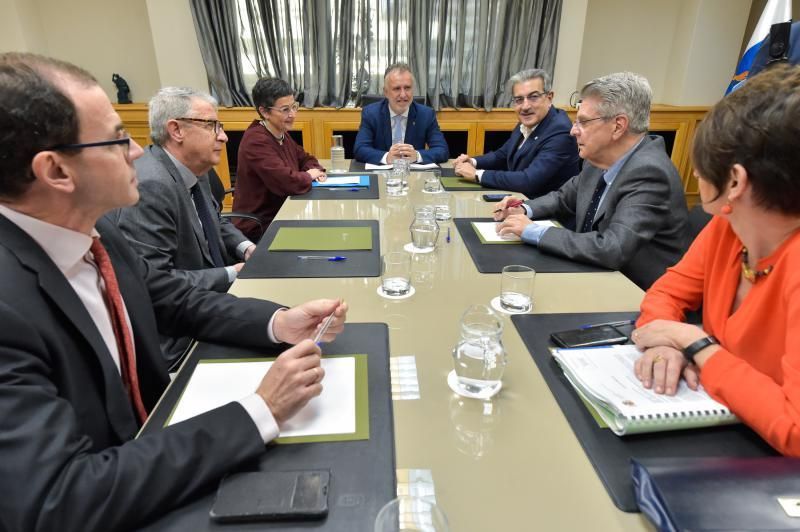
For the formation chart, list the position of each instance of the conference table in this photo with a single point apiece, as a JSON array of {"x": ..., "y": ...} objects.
[{"x": 511, "y": 463}]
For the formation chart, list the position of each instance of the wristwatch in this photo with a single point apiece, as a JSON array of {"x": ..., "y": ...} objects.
[{"x": 692, "y": 349}]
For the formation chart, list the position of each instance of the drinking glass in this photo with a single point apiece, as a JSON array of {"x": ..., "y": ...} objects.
[
  {"x": 432, "y": 183},
  {"x": 396, "y": 274},
  {"x": 516, "y": 288}
]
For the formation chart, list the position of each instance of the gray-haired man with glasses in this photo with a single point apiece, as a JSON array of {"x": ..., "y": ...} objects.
[
  {"x": 176, "y": 223},
  {"x": 540, "y": 155},
  {"x": 627, "y": 202}
]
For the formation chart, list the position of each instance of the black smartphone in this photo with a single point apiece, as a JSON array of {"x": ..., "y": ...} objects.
[
  {"x": 589, "y": 336},
  {"x": 494, "y": 197},
  {"x": 272, "y": 496}
]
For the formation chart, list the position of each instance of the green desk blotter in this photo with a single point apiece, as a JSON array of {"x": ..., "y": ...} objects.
[
  {"x": 322, "y": 239},
  {"x": 457, "y": 182}
]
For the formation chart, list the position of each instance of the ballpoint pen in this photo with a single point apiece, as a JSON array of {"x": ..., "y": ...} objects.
[
  {"x": 448, "y": 235},
  {"x": 511, "y": 204},
  {"x": 611, "y": 323},
  {"x": 329, "y": 258},
  {"x": 324, "y": 328}
]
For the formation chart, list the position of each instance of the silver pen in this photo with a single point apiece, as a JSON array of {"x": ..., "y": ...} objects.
[{"x": 324, "y": 328}]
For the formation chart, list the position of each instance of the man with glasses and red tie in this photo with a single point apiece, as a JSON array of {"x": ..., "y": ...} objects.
[
  {"x": 628, "y": 200},
  {"x": 80, "y": 365},
  {"x": 540, "y": 155},
  {"x": 271, "y": 165},
  {"x": 176, "y": 223}
]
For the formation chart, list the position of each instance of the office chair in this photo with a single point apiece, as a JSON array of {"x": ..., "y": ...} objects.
[{"x": 218, "y": 191}]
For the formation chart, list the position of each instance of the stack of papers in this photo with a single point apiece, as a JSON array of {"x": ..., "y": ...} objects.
[
  {"x": 487, "y": 232},
  {"x": 343, "y": 181},
  {"x": 413, "y": 166}
]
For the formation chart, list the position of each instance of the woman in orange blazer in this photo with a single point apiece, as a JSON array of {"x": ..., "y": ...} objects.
[{"x": 743, "y": 268}]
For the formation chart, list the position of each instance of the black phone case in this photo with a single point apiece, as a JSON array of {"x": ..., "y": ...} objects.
[
  {"x": 588, "y": 337},
  {"x": 272, "y": 496},
  {"x": 494, "y": 197}
]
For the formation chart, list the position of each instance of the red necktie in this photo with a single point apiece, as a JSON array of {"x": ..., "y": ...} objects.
[{"x": 127, "y": 357}]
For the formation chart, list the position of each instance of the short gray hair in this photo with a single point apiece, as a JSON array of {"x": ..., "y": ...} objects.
[
  {"x": 623, "y": 93},
  {"x": 397, "y": 67},
  {"x": 532, "y": 73},
  {"x": 169, "y": 103}
]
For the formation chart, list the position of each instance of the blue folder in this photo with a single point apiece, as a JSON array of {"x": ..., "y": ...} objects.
[{"x": 363, "y": 181}]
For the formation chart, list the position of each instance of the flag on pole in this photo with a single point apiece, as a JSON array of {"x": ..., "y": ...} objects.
[{"x": 775, "y": 11}]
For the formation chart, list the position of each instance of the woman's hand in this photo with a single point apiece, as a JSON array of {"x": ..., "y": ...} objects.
[{"x": 661, "y": 368}]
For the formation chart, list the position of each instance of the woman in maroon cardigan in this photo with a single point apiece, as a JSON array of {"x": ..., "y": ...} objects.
[{"x": 271, "y": 164}]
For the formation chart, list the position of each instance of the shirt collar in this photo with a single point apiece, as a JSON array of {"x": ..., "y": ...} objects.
[
  {"x": 614, "y": 169},
  {"x": 404, "y": 114},
  {"x": 65, "y": 247},
  {"x": 189, "y": 179},
  {"x": 526, "y": 131}
]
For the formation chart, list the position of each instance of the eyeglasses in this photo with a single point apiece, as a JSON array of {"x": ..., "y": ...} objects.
[
  {"x": 581, "y": 124},
  {"x": 125, "y": 142},
  {"x": 287, "y": 109},
  {"x": 532, "y": 97},
  {"x": 217, "y": 125}
]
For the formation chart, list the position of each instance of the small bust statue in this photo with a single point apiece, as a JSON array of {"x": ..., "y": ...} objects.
[{"x": 123, "y": 90}]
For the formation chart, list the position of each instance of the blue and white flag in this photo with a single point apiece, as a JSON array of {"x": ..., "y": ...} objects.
[{"x": 775, "y": 11}]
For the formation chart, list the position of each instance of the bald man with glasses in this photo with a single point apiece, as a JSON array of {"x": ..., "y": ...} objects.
[
  {"x": 540, "y": 155},
  {"x": 176, "y": 223}
]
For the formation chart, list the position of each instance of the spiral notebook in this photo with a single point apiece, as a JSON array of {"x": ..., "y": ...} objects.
[{"x": 604, "y": 378}]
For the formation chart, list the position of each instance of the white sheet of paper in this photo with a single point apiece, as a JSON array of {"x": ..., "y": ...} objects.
[
  {"x": 369, "y": 166},
  {"x": 343, "y": 180},
  {"x": 218, "y": 383},
  {"x": 488, "y": 231},
  {"x": 420, "y": 166}
]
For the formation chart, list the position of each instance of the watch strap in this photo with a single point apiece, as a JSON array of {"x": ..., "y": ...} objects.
[{"x": 692, "y": 349}]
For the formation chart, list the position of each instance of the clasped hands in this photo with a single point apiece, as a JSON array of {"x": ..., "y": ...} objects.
[
  {"x": 662, "y": 363},
  {"x": 402, "y": 151},
  {"x": 296, "y": 375}
]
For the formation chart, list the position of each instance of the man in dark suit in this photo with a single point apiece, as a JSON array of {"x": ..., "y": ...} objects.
[
  {"x": 399, "y": 127},
  {"x": 80, "y": 365},
  {"x": 627, "y": 201},
  {"x": 540, "y": 155},
  {"x": 176, "y": 224}
]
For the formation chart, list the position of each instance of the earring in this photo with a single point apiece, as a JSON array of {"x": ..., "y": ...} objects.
[{"x": 726, "y": 209}]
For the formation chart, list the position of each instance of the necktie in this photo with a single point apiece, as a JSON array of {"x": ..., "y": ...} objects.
[
  {"x": 594, "y": 204},
  {"x": 397, "y": 134},
  {"x": 127, "y": 356},
  {"x": 204, "y": 213}
]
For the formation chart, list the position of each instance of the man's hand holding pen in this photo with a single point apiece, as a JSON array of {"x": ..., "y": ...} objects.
[{"x": 508, "y": 206}]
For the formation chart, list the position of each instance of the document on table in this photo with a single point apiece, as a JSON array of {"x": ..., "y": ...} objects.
[
  {"x": 412, "y": 166},
  {"x": 487, "y": 231},
  {"x": 345, "y": 180},
  {"x": 215, "y": 383}
]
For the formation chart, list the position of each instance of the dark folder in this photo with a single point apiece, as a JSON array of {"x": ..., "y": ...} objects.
[{"x": 705, "y": 494}]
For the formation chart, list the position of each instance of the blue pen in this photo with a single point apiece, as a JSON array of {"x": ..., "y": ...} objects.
[
  {"x": 329, "y": 258},
  {"x": 448, "y": 235},
  {"x": 611, "y": 323}
]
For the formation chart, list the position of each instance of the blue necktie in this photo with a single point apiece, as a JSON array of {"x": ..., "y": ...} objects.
[
  {"x": 588, "y": 222},
  {"x": 204, "y": 213},
  {"x": 397, "y": 134}
]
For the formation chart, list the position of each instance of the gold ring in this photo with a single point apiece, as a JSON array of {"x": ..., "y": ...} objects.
[{"x": 658, "y": 359}]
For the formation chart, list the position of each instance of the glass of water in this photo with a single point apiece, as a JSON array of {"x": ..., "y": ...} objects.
[
  {"x": 411, "y": 514},
  {"x": 338, "y": 164},
  {"x": 396, "y": 274},
  {"x": 432, "y": 183},
  {"x": 516, "y": 288},
  {"x": 402, "y": 166},
  {"x": 479, "y": 356},
  {"x": 394, "y": 182},
  {"x": 443, "y": 206},
  {"x": 424, "y": 229}
]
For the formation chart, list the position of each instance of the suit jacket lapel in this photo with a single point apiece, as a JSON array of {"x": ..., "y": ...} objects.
[
  {"x": 513, "y": 157},
  {"x": 57, "y": 288},
  {"x": 385, "y": 126},
  {"x": 411, "y": 123},
  {"x": 164, "y": 159},
  {"x": 611, "y": 190}
]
